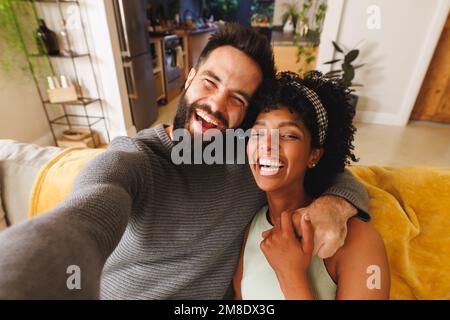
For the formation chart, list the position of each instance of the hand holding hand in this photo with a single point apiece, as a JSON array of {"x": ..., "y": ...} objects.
[
  {"x": 329, "y": 216},
  {"x": 288, "y": 255}
]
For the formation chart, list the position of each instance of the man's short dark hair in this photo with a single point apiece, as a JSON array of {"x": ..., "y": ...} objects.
[{"x": 256, "y": 46}]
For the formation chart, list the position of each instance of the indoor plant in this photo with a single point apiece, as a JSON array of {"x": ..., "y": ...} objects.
[
  {"x": 11, "y": 44},
  {"x": 308, "y": 40},
  {"x": 15, "y": 15},
  {"x": 291, "y": 14}
]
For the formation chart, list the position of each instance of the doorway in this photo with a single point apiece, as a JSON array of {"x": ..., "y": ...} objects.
[{"x": 433, "y": 101}]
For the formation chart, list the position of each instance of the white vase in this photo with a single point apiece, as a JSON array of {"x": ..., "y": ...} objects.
[{"x": 288, "y": 26}]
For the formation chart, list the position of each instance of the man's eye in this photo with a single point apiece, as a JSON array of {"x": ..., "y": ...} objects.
[
  {"x": 209, "y": 83},
  {"x": 238, "y": 101}
]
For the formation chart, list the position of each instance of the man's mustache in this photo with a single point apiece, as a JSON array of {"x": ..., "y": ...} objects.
[{"x": 206, "y": 108}]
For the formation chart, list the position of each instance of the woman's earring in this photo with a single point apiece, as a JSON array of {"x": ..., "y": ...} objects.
[{"x": 312, "y": 165}]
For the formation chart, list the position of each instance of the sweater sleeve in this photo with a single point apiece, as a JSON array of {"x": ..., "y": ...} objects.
[
  {"x": 346, "y": 186},
  {"x": 60, "y": 254}
]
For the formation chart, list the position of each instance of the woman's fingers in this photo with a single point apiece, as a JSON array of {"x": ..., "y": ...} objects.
[
  {"x": 287, "y": 223},
  {"x": 307, "y": 235},
  {"x": 266, "y": 233}
]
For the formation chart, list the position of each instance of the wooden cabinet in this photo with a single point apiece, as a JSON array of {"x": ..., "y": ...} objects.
[{"x": 158, "y": 69}]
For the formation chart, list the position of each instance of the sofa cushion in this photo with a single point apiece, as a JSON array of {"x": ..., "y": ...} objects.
[
  {"x": 2, "y": 213},
  {"x": 19, "y": 165}
]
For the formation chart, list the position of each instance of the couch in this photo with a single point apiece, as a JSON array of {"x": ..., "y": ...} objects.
[{"x": 410, "y": 209}]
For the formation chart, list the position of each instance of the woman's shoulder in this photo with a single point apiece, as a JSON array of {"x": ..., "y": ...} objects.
[
  {"x": 363, "y": 243},
  {"x": 361, "y": 236}
]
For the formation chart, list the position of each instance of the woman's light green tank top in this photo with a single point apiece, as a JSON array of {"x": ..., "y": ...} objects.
[{"x": 259, "y": 281}]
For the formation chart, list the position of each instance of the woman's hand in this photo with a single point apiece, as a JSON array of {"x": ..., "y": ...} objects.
[{"x": 290, "y": 256}]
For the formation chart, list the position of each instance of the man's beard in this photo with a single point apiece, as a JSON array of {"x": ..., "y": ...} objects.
[{"x": 185, "y": 111}]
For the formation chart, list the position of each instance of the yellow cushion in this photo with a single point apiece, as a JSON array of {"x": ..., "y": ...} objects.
[{"x": 409, "y": 206}]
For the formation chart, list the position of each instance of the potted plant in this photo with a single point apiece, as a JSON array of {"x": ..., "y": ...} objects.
[
  {"x": 346, "y": 73},
  {"x": 290, "y": 16}
]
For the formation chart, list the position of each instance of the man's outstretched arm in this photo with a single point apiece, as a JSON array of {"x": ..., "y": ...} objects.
[
  {"x": 329, "y": 213},
  {"x": 38, "y": 257}
]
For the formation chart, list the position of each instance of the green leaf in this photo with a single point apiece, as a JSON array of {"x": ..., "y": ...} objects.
[
  {"x": 310, "y": 59},
  {"x": 349, "y": 74},
  {"x": 332, "y": 61},
  {"x": 351, "y": 56},
  {"x": 338, "y": 49}
]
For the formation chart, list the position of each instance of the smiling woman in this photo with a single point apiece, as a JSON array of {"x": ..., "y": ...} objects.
[{"x": 312, "y": 119}]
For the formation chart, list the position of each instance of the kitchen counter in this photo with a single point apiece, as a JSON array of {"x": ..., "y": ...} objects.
[
  {"x": 280, "y": 38},
  {"x": 193, "y": 32}
]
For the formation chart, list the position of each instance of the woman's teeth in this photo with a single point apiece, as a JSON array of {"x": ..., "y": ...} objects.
[{"x": 269, "y": 167}]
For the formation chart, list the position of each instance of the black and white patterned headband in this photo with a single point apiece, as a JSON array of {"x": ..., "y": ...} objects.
[{"x": 321, "y": 113}]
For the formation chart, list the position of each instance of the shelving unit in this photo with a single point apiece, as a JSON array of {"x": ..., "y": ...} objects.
[{"x": 67, "y": 119}]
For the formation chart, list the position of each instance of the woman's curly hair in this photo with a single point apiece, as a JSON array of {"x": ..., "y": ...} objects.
[{"x": 338, "y": 145}]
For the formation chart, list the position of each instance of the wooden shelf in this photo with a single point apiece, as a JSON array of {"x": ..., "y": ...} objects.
[
  {"x": 72, "y": 56},
  {"x": 80, "y": 102},
  {"x": 51, "y": 1}
]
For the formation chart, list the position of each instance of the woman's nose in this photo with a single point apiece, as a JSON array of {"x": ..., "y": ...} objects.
[{"x": 269, "y": 142}]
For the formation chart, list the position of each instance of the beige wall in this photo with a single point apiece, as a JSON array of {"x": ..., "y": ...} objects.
[
  {"x": 21, "y": 114},
  {"x": 397, "y": 54}
]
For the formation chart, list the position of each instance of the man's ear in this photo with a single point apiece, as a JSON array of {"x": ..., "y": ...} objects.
[{"x": 190, "y": 77}]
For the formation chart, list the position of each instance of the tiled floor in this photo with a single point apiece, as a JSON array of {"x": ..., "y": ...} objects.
[{"x": 416, "y": 144}]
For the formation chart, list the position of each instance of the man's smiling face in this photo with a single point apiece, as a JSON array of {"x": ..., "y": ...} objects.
[{"x": 218, "y": 92}]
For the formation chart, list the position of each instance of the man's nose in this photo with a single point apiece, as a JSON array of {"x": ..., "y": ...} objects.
[{"x": 218, "y": 102}]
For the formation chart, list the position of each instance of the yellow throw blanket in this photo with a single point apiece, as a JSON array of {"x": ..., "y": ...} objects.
[
  {"x": 410, "y": 209},
  {"x": 55, "y": 179}
]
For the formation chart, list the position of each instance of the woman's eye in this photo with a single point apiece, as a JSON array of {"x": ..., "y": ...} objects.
[{"x": 289, "y": 136}]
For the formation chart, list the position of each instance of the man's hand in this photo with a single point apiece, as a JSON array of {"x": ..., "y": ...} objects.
[{"x": 328, "y": 215}]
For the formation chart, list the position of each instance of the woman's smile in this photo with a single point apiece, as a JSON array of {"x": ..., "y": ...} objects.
[{"x": 269, "y": 166}]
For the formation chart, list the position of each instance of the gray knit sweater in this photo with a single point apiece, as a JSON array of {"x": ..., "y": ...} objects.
[{"x": 165, "y": 231}]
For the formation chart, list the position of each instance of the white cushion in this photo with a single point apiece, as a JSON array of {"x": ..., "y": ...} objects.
[{"x": 19, "y": 166}]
